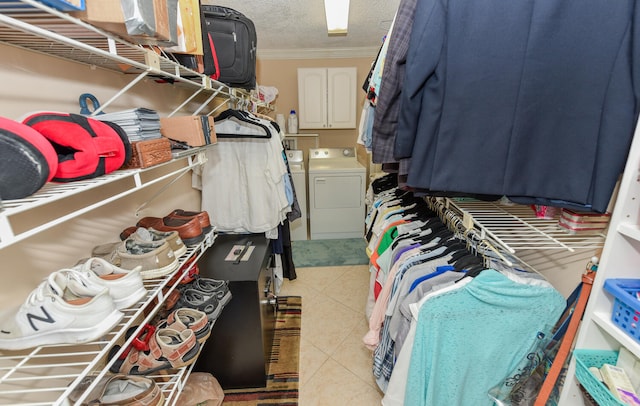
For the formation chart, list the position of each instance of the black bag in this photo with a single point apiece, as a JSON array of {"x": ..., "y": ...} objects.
[{"x": 229, "y": 44}]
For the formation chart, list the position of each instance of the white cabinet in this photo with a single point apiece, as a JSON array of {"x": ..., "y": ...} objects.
[
  {"x": 620, "y": 259},
  {"x": 327, "y": 98}
]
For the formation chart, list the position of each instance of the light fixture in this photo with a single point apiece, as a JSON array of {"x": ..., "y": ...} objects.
[{"x": 337, "y": 12}]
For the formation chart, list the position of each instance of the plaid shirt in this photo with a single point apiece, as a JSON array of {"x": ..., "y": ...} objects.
[{"x": 385, "y": 119}]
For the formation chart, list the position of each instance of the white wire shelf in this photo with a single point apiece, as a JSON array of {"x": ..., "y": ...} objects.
[
  {"x": 54, "y": 192},
  {"x": 46, "y": 375},
  {"x": 34, "y": 26},
  {"x": 516, "y": 227}
]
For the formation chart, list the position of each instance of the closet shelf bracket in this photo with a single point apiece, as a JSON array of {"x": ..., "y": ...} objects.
[
  {"x": 199, "y": 159},
  {"x": 121, "y": 92},
  {"x": 209, "y": 100},
  {"x": 193, "y": 96}
]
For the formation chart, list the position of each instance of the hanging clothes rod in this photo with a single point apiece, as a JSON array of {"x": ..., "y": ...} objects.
[{"x": 466, "y": 229}]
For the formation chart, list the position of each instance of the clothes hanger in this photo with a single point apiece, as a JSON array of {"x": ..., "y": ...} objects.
[
  {"x": 468, "y": 262},
  {"x": 233, "y": 123},
  {"x": 494, "y": 250}
]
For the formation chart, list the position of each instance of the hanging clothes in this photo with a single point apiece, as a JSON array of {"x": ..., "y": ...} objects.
[
  {"x": 534, "y": 107},
  {"x": 418, "y": 258},
  {"x": 385, "y": 120},
  {"x": 483, "y": 330},
  {"x": 243, "y": 181}
]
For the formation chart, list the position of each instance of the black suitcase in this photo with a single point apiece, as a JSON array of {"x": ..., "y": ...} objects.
[{"x": 229, "y": 42}]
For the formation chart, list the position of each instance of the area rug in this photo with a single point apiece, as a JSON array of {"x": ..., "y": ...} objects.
[
  {"x": 284, "y": 364},
  {"x": 338, "y": 252}
]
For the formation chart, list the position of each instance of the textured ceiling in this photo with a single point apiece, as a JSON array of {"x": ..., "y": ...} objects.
[{"x": 288, "y": 27}]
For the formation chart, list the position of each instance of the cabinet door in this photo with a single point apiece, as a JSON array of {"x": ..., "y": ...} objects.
[
  {"x": 312, "y": 98},
  {"x": 342, "y": 97}
]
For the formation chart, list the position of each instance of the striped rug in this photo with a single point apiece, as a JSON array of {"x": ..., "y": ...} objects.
[{"x": 282, "y": 381}]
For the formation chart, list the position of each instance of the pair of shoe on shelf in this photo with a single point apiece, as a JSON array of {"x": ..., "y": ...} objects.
[
  {"x": 75, "y": 305},
  {"x": 156, "y": 243},
  {"x": 172, "y": 343},
  {"x": 205, "y": 294},
  {"x": 118, "y": 390},
  {"x": 192, "y": 226},
  {"x": 195, "y": 292},
  {"x": 155, "y": 252},
  {"x": 186, "y": 274}
]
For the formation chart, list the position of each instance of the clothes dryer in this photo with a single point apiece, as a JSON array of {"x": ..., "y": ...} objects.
[
  {"x": 298, "y": 227},
  {"x": 337, "y": 183}
]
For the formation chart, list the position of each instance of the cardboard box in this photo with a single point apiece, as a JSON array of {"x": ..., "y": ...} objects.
[
  {"x": 136, "y": 21},
  {"x": 196, "y": 131}
]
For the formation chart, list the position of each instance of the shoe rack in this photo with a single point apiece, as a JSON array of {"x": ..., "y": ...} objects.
[
  {"x": 46, "y": 375},
  {"x": 52, "y": 227}
]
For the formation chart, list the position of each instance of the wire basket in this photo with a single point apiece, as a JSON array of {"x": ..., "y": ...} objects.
[
  {"x": 595, "y": 358},
  {"x": 626, "y": 306}
]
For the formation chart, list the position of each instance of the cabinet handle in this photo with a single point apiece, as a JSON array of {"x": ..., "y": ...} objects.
[
  {"x": 267, "y": 287},
  {"x": 271, "y": 300}
]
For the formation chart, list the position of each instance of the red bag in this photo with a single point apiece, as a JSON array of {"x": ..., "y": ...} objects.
[{"x": 86, "y": 147}]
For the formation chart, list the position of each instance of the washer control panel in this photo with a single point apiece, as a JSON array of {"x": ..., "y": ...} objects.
[
  {"x": 294, "y": 156},
  {"x": 320, "y": 153}
]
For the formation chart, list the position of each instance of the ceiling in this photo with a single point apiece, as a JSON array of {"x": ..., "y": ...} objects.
[{"x": 289, "y": 29}]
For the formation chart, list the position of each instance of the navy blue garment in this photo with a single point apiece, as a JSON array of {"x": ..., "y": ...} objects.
[{"x": 527, "y": 98}]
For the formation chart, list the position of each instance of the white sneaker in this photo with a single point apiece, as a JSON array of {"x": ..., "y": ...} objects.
[
  {"x": 125, "y": 286},
  {"x": 65, "y": 308}
]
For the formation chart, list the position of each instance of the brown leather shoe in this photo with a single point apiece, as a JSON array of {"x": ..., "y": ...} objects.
[
  {"x": 202, "y": 216},
  {"x": 189, "y": 229}
]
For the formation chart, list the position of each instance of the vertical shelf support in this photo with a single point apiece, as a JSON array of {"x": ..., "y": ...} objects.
[
  {"x": 121, "y": 92},
  {"x": 197, "y": 92},
  {"x": 180, "y": 174}
]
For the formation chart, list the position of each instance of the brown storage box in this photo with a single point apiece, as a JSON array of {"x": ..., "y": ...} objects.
[
  {"x": 109, "y": 16},
  {"x": 148, "y": 153},
  {"x": 196, "y": 131}
]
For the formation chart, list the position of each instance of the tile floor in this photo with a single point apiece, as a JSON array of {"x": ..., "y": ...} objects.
[{"x": 335, "y": 367}]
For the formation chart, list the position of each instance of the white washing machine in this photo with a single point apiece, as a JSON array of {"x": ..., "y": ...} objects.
[
  {"x": 336, "y": 194},
  {"x": 298, "y": 227}
]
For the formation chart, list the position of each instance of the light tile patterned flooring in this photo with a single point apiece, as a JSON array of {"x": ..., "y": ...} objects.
[{"x": 335, "y": 367}]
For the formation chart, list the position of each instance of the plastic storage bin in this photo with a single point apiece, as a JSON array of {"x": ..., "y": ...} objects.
[
  {"x": 626, "y": 307},
  {"x": 595, "y": 358}
]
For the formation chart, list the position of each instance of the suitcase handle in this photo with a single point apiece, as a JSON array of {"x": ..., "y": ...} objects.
[{"x": 223, "y": 12}]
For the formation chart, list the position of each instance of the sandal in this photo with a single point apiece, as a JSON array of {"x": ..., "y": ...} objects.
[
  {"x": 185, "y": 318},
  {"x": 156, "y": 350},
  {"x": 205, "y": 302}
]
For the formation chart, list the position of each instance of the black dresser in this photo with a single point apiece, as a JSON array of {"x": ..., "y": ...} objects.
[{"x": 238, "y": 350}]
